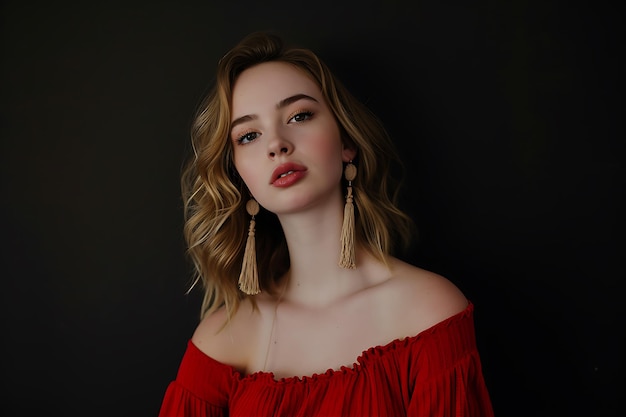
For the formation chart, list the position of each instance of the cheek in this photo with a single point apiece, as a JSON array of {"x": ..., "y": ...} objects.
[
  {"x": 245, "y": 169},
  {"x": 331, "y": 152}
]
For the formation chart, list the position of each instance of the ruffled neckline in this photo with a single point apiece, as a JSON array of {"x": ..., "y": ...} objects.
[{"x": 368, "y": 356}]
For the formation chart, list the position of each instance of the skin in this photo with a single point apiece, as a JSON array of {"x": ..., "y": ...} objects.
[
  {"x": 326, "y": 314},
  {"x": 302, "y": 131}
]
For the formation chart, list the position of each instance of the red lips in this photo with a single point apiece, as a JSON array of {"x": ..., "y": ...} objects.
[{"x": 287, "y": 174}]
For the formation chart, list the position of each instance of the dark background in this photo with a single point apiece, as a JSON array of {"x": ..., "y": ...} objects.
[{"x": 509, "y": 117}]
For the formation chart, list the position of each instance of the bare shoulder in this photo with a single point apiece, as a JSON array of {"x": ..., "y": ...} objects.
[
  {"x": 425, "y": 297},
  {"x": 229, "y": 340}
]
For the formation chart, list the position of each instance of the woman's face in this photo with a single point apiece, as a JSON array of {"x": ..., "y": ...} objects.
[{"x": 286, "y": 142}]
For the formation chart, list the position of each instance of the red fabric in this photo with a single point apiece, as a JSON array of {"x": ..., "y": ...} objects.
[{"x": 436, "y": 373}]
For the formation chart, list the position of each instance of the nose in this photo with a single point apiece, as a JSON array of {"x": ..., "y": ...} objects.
[{"x": 279, "y": 146}]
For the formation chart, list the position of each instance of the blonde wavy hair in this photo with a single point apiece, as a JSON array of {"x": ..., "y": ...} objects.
[{"x": 216, "y": 222}]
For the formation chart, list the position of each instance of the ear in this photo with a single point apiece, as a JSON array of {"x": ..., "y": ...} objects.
[{"x": 348, "y": 153}]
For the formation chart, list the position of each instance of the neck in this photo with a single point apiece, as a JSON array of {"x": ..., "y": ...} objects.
[{"x": 313, "y": 238}]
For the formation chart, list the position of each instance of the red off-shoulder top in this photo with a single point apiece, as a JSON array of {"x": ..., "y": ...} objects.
[{"x": 435, "y": 373}]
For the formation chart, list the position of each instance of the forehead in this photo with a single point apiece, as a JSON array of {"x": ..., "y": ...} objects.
[{"x": 268, "y": 83}]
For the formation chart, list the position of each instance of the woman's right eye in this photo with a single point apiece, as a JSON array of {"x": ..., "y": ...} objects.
[{"x": 247, "y": 138}]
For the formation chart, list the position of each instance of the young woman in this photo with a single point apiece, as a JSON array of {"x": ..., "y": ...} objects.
[{"x": 291, "y": 227}]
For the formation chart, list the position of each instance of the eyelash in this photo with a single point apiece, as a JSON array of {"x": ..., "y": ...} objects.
[
  {"x": 241, "y": 138},
  {"x": 306, "y": 113}
]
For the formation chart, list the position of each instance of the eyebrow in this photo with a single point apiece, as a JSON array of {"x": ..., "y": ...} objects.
[
  {"x": 293, "y": 99},
  {"x": 281, "y": 104}
]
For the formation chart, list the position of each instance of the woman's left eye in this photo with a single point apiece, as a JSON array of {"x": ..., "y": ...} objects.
[{"x": 301, "y": 116}]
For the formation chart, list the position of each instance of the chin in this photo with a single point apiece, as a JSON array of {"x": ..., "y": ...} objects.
[{"x": 291, "y": 205}]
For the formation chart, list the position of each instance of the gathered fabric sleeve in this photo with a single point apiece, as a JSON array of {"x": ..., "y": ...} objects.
[
  {"x": 445, "y": 372},
  {"x": 201, "y": 388}
]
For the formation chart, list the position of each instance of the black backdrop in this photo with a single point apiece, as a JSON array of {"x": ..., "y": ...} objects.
[{"x": 509, "y": 116}]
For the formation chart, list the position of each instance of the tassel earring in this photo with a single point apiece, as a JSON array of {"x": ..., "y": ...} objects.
[
  {"x": 249, "y": 277},
  {"x": 347, "y": 259}
]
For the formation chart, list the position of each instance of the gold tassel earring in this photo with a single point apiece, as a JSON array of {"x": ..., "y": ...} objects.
[
  {"x": 347, "y": 259},
  {"x": 249, "y": 277}
]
